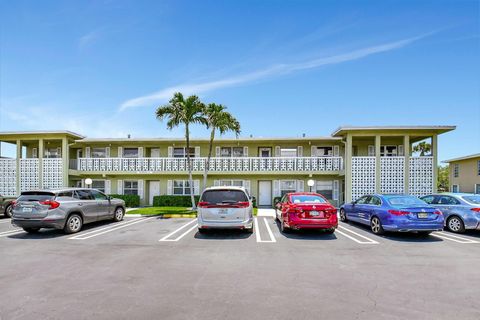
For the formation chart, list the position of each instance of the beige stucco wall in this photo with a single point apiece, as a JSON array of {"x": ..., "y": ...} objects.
[{"x": 467, "y": 174}]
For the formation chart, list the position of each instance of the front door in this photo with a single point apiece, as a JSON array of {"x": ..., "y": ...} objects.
[
  {"x": 265, "y": 152},
  {"x": 265, "y": 193},
  {"x": 155, "y": 153},
  {"x": 154, "y": 191}
]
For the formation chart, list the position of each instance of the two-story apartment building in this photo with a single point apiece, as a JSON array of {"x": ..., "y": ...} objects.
[
  {"x": 349, "y": 163},
  {"x": 464, "y": 174}
]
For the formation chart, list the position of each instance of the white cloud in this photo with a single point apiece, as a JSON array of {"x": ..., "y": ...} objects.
[
  {"x": 163, "y": 95},
  {"x": 88, "y": 39}
]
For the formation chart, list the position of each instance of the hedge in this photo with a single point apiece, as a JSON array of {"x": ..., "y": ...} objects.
[
  {"x": 173, "y": 201},
  {"x": 131, "y": 200}
]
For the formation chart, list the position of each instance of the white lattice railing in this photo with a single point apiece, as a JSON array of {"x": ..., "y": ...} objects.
[
  {"x": 29, "y": 177},
  {"x": 8, "y": 177},
  {"x": 52, "y": 176},
  {"x": 363, "y": 176},
  {"x": 421, "y": 176},
  {"x": 392, "y": 174},
  {"x": 242, "y": 164}
]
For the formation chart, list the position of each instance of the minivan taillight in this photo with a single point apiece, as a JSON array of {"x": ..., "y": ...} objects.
[
  {"x": 53, "y": 204},
  {"x": 243, "y": 204},
  {"x": 398, "y": 212}
]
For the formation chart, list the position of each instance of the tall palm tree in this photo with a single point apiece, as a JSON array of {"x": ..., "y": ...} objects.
[
  {"x": 423, "y": 148},
  {"x": 183, "y": 111},
  {"x": 218, "y": 118}
]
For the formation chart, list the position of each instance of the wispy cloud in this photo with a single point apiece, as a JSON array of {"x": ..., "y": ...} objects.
[
  {"x": 163, "y": 95},
  {"x": 88, "y": 39}
]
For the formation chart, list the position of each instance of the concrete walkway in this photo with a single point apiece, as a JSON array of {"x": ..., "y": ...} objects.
[{"x": 264, "y": 212}]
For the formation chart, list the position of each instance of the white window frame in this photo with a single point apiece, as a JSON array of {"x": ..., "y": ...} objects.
[
  {"x": 478, "y": 167},
  {"x": 292, "y": 150},
  {"x": 329, "y": 153},
  {"x": 453, "y": 188},
  {"x": 287, "y": 190},
  {"x": 53, "y": 155},
  {"x": 231, "y": 152},
  {"x": 94, "y": 150},
  {"x": 100, "y": 189},
  {"x": 130, "y": 188},
  {"x": 184, "y": 154},
  {"x": 228, "y": 183},
  {"x": 184, "y": 188},
  {"x": 383, "y": 149},
  {"x": 325, "y": 182},
  {"x": 130, "y": 157},
  {"x": 456, "y": 170},
  {"x": 476, "y": 188}
]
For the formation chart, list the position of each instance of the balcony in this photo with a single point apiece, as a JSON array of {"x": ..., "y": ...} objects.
[{"x": 217, "y": 165}]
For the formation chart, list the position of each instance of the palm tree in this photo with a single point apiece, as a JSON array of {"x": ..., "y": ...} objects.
[
  {"x": 423, "y": 148},
  {"x": 218, "y": 118},
  {"x": 183, "y": 111}
]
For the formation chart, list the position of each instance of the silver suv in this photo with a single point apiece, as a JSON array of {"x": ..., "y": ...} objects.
[
  {"x": 225, "y": 208},
  {"x": 67, "y": 209}
]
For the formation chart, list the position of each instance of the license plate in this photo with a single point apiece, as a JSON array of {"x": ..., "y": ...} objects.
[
  {"x": 27, "y": 209},
  {"x": 222, "y": 211},
  {"x": 422, "y": 215},
  {"x": 316, "y": 214}
]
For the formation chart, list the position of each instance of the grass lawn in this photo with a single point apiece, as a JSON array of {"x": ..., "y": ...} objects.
[
  {"x": 161, "y": 210},
  {"x": 168, "y": 210}
]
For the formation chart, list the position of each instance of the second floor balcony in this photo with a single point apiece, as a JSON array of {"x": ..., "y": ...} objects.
[{"x": 217, "y": 165}]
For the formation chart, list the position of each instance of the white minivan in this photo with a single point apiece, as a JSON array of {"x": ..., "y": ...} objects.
[{"x": 225, "y": 208}]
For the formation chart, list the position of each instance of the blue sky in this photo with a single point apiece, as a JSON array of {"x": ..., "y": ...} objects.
[{"x": 283, "y": 68}]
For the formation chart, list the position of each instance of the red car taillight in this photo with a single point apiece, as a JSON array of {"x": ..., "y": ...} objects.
[
  {"x": 14, "y": 203},
  {"x": 477, "y": 210},
  {"x": 53, "y": 204},
  {"x": 203, "y": 204},
  {"x": 437, "y": 212},
  {"x": 243, "y": 204},
  {"x": 398, "y": 212}
]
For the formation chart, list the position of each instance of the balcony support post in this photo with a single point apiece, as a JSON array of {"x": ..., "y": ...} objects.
[
  {"x": 65, "y": 161},
  {"x": 40, "y": 162},
  {"x": 17, "y": 173},
  {"x": 406, "y": 171},
  {"x": 434, "y": 159},
  {"x": 348, "y": 169},
  {"x": 378, "y": 171}
]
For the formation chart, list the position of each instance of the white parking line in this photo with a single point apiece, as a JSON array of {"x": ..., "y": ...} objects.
[
  {"x": 369, "y": 241},
  {"x": 269, "y": 230},
  {"x": 11, "y": 232},
  {"x": 177, "y": 230},
  {"x": 5, "y": 221},
  {"x": 453, "y": 238},
  {"x": 94, "y": 233}
]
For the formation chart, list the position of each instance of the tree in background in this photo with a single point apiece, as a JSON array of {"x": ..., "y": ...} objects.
[
  {"x": 187, "y": 112},
  {"x": 443, "y": 178},
  {"x": 218, "y": 118},
  {"x": 423, "y": 148}
]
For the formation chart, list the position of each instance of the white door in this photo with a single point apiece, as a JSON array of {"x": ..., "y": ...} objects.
[
  {"x": 155, "y": 153},
  {"x": 265, "y": 193},
  {"x": 154, "y": 190}
]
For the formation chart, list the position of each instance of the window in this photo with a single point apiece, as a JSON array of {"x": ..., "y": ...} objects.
[
  {"x": 472, "y": 199},
  {"x": 288, "y": 152},
  {"x": 428, "y": 199},
  {"x": 375, "y": 201},
  {"x": 180, "y": 152},
  {"x": 231, "y": 152},
  {"x": 325, "y": 188},
  {"x": 53, "y": 153},
  {"x": 402, "y": 201},
  {"x": 224, "y": 196},
  {"x": 130, "y": 152},
  {"x": 478, "y": 168},
  {"x": 287, "y": 186},
  {"x": 65, "y": 194},
  {"x": 234, "y": 183},
  {"x": 99, "y": 185},
  {"x": 307, "y": 199},
  {"x": 455, "y": 188},
  {"x": 83, "y": 195},
  {"x": 456, "y": 170},
  {"x": 388, "y": 151},
  {"x": 181, "y": 187},
  {"x": 265, "y": 152},
  {"x": 97, "y": 195},
  {"x": 363, "y": 200},
  {"x": 99, "y": 153},
  {"x": 130, "y": 187},
  {"x": 324, "y": 151},
  {"x": 477, "y": 188},
  {"x": 447, "y": 200}
]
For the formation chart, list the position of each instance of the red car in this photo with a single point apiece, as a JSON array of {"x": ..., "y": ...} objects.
[{"x": 306, "y": 210}]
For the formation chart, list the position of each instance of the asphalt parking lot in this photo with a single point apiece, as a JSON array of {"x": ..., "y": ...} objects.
[{"x": 153, "y": 268}]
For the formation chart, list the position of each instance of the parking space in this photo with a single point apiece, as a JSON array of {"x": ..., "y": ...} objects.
[{"x": 149, "y": 267}]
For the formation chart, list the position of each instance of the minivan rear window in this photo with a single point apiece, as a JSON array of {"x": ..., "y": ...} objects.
[
  {"x": 35, "y": 196},
  {"x": 224, "y": 196}
]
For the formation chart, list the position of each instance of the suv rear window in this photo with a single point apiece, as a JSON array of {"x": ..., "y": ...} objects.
[
  {"x": 35, "y": 196},
  {"x": 224, "y": 196}
]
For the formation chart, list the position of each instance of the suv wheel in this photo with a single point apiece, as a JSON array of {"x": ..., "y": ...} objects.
[
  {"x": 74, "y": 224},
  {"x": 118, "y": 214},
  {"x": 9, "y": 211}
]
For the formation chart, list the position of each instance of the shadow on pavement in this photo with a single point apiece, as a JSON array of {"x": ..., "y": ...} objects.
[
  {"x": 223, "y": 235},
  {"x": 307, "y": 234}
]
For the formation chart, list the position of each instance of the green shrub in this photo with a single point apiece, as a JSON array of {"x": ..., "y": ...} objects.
[
  {"x": 173, "y": 201},
  {"x": 131, "y": 200},
  {"x": 254, "y": 202}
]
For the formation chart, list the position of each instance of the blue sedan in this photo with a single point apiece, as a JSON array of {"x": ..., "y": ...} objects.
[
  {"x": 461, "y": 210},
  {"x": 401, "y": 213}
]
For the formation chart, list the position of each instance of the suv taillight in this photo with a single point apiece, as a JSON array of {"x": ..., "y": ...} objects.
[
  {"x": 53, "y": 204},
  {"x": 203, "y": 204},
  {"x": 14, "y": 203},
  {"x": 398, "y": 212},
  {"x": 243, "y": 204}
]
